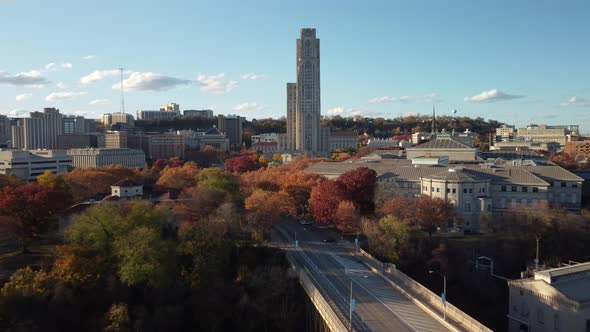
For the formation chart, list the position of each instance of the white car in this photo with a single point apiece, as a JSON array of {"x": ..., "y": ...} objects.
[{"x": 305, "y": 222}]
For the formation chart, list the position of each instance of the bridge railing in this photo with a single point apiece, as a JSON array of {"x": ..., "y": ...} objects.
[
  {"x": 332, "y": 320},
  {"x": 424, "y": 294}
]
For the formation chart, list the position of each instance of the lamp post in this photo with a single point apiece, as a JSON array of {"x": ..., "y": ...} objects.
[{"x": 443, "y": 296}]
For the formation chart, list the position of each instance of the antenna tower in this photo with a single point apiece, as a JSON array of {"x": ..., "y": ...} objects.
[{"x": 122, "y": 92}]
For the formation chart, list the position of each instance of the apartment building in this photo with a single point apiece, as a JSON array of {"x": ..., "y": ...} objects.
[{"x": 85, "y": 158}]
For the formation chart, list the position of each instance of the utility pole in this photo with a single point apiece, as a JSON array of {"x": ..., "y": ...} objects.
[
  {"x": 537, "y": 256},
  {"x": 350, "y": 308}
]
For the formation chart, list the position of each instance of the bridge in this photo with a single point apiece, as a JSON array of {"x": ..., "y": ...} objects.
[{"x": 385, "y": 299}]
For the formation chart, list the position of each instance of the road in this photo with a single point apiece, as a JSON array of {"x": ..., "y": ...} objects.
[{"x": 379, "y": 305}]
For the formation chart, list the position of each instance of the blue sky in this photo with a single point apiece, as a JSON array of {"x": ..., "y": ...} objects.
[{"x": 515, "y": 61}]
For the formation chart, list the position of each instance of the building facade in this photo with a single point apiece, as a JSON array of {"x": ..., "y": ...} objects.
[
  {"x": 86, "y": 158},
  {"x": 495, "y": 186},
  {"x": 157, "y": 115},
  {"x": 555, "y": 299},
  {"x": 199, "y": 113},
  {"x": 110, "y": 119},
  {"x": 578, "y": 148},
  {"x": 30, "y": 164},
  {"x": 545, "y": 133},
  {"x": 77, "y": 141},
  {"x": 308, "y": 101},
  {"x": 5, "y": 131},
  {"x": 116, "y": 139},
  {"x": 340, "y": 140},
  {"x": 231, "y": 125}
]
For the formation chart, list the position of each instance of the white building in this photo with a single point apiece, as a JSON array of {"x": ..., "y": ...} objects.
[
  {"x": 86, "y": 158},
  {"x": 126, "y": 188},
  {"x": 556, "y": 299},
  {"x": 157, "y": 115},
  {"x": 30, "y": 164}
]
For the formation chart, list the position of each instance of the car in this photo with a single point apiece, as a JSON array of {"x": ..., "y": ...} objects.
[
  {"x": 305, "y": 222},
  {"x": 328, "y": 240}
]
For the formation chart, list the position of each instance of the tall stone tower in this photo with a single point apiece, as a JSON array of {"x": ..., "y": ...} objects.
[{"x": 303, "y": 98}]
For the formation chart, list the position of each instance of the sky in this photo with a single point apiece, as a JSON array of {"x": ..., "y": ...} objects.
[{"x": 518, "y": 62}]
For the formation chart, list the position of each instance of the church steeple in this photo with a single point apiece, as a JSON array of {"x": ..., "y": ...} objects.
[{"x": 433, "y": 127}]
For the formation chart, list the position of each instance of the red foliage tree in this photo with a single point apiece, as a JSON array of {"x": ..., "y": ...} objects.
[
  {"x": 325, "y": 199},
  {"x": 359, "y": 188},
  {"x": 170, "y": 162},
  {"x": 402, "y": 208},
  {"x": 245, "y": 162},
  {"x": 432, "y": 213},
  {"x": 30, "y": 209}
]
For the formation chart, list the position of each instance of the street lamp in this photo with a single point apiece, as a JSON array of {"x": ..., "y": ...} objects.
[{"x": 443, "y": 296}]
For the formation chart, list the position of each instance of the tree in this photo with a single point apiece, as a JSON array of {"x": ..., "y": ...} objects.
[
  {"x": 26, "y": 282},
  {"x": 88, "y": 183},
  {"x": 77, "y": 266},
  {"x": 245, "y": 162},
  {"x": 10, "y": 180},
  {"x": 266, "y": 207},
  {"x": 31, "y": 209},
  {"x": 118, "y": 318},
  {"x": 324, "y": 201},
  {"x": 216, "y": 179},
  {"x": 130, "y": 236},
  {"x": 401, "y": 207},
  {"x": 53, "y": 181},
  {"x": 359, "y": 187},
  {"x": 143, "y": 256},
  {"x": 346, "y": 218},
  {"x": 198, "y": 203},
  {"x": 177, "y": 178},
  {"x": 433, "y": 213},
  {"x": 387, "y": 238}
]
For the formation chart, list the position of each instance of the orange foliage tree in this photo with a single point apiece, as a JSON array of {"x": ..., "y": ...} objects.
[
  {"x": 346, "y": 217},
  {"x": 177, "y": 178},
  {"x": 87, "y": 183}
]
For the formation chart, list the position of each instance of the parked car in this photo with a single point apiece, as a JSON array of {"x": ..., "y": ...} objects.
[{"x": 305, "y": 222}]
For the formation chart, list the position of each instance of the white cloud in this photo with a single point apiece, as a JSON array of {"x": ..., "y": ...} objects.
[
  {"x": 491, "y": 96},
  {"x": 57, "y": 96},
  {"x": 89, "y": 57},
  {"x": 98, "y": 75},
  {"x": 23, "y": 96},
  {"x": 148, "y": 81},
  {"x": 430, "y": 98},
  {"x": 216, "y": 84},
  {"x": 248, "y": 106},
  {"x": 17, "y": 113},
  {"x": 60, "y": 85},
  {"x": 27, "y": 78},
  {"x": 52, "y": 66},
  {"x": 253, "y": 76},
  {"x": 100, "y": 102},
  {"x": 343, "y": 111},
  {"x": 577, "y": 101}
]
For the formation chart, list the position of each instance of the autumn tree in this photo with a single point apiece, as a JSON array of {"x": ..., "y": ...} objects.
[
  {"x": 77, "y": 266},
  {"x": 401, "y": 207},
  {"x": 433, "y": 213},
  {"x": 359, "y": 187},
  {"x": 388, "y": 238},
  {"x": 10, "y": 180},
  {"x": 197, "y": 203},
  {"x": 31, "y": 210},
  {"x": 265, "y": 207},
  {"x": 177, "y": 178},
  {"x": 347, "y": 218},
  {"x": 246, "y": 161},
  {"x": 88, "y": 183},
  {"x": 324, "y": 201}
]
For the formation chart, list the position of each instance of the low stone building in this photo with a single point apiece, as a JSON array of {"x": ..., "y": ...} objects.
[
  {"x": 477, "y": 187},
  {"x": 555, "y": 299},
  {"x": 448, "y": 147}
]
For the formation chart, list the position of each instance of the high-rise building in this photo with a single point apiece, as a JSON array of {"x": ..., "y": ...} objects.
[
  {"x": 231, "y": 125},
  {"x": 303, "y": 98},
  {"x": 5, "y": 132},
  {"x": 162, "y": 114},
  {"x": 291, "y": 114},
  {"x": 116, "y": 139},
  {"x": 110, "y": 119},
  {"x": 42, "y": 129},
  {"x": 172, "y": 107},
  {"x": 77, "y": 125}
]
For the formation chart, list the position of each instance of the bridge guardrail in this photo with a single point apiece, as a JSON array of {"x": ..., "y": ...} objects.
[{"x": 424, "y": 294}]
